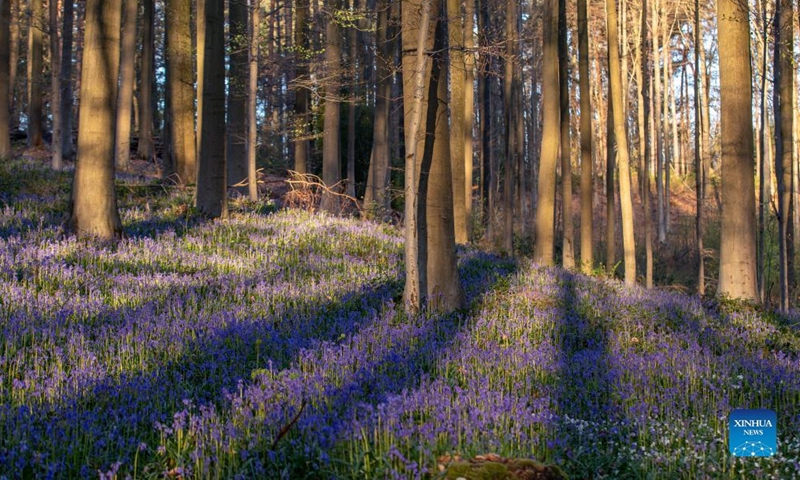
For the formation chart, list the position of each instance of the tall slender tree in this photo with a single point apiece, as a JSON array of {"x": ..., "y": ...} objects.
[
  {"x": 181, "y": 98},
  {"x": 567, "y": 247},
  {"x": 455, "y": 29},
  {"x": 212, "y": 196},
  {"x": 65, "y": 78},
  {"x": 784, "y": 132},
  {"x": 331, "y": 156},
  {"x": 236, "y": 123},
  {"x": 545, "y": 210},
  {"x": 35, "y": 62},
  {"x": 587, "y": 194},
  {"x": 93, "y": 205},
  {"x": 737, "y": 269},
  {"x": 646, "y": 132},
  {"x": 146, "y": 146},
  {"x": 5, "y": 63},
  {"x": 127, "y": 75},
  {"x": 378, "y": 176},
  {"x": 510, "y": 133},
  {"x": 623, "y": 161},
  {"x": 55, "y": 86},
  {"x": 252, "y": 100},
  {"x": 699, "y": 152},
  {"x": 302, "y": 47},
  {"x": 469, "y": 105}
]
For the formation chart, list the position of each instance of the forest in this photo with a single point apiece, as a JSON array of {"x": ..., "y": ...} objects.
[{"x": 440, "y": 239}]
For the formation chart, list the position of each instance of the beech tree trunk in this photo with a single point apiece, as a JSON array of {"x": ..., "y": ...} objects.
[
  {"x": 65, "y": 78},
  {"x": 55, "y": 86},
  {"x": 737, "y": 270},
  {"x": 545, "y": 210},
  {"x": 93, "y": 205},
  {"x": 236, "y": 124},
  {"x": 212, "y": 196},
  {"x": 378, "y": 181},
  {"x": 587, "y": 182},
  {"x": 35, "y": 102},
  {"x": 181, "y": 98},
  {"x": 126, "y": 80},
  {"x": 5, "y": 85},
  {"x": 146, "y": 147},
  {"x": 302, "y": 96},
  {"x": 784, "y": 141},
  {"x": 458, "y": 87},
  {"x": 568, "y": 249},
  {"x": 331, "y": 156},
  {"x": 252, "y": 101}
]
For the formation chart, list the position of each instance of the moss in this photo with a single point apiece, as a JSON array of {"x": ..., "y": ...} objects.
[{"x": 493, "y": 467}]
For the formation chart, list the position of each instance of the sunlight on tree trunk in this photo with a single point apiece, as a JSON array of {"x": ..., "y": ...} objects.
[
  {"x": 181, "y": 98},
  {"x": 587, "y": 183},
  {"x": 126, "y": 76}
]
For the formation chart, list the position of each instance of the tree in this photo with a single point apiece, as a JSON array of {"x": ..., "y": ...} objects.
[
  {"x": 784, "y": 130},
  {"x": 5, "y": 63},
  {"x": 458, "y": 87},
  {"x": 212, "y": 195},
  {"x": 65, "y": 78},
  {"x": 699, "y": 146},
  {"x": 126, "y": 79},
  {"x": 55, "y": 86},
  {"x": 181, "y": 98},
  {"x": 623, "y": 162},
  {"x": 93, "y": 205},
  {"x": 35, "y": 101},
  {"x": 587, "y": 253},
  {"x": 331, "y": 159},
  {"x": 237, "y": 96},
  {"x": 545, "y": 215},
  {"x": 146, "y": 147},
  {"x": 646, "y": 131},
  {"x": 431, "y": 272},
  {"x": 567, "y": 249},
  {"x": 252, "y": 100},
  {"x": 737, "y": 269},
  {"x": 302, "y": 95},
  {"x": 378, "y": 176}
]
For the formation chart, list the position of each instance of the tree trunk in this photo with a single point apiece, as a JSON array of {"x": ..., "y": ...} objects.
[
  {"x": 65, "y": 78},
  {"x": 302, "y": 100},
  {"x": 55, "y": 87},
  {"x": 458, "y": 87},
  {"x": 378, "y": 181},
  {"x": 469, "y": 108},
  {"x": 126, "y": 76},
  {"x": 331, "y": 159},
  {"x": 737, "y": 275},
  {"x": 659, "y": 132},
  {"x": 14, "y": 32},
  {"x": 587, "y": 251},
  {"x": 545, "y": 209},
  {"x": 568, "y": 249},
  {"x": 237, "y": 118},
  {"x": 5, "y": 85},
  {"x": 510, "y": 152},
  {"x": 699, "y": 153},
  {"x": 93, "y": 206},
  {"x": 181, "y": 98},
  {"x": 623, "y": 162},
  {"x": 611, "y": 213},
  {"x": 784, "y": 132},
  {"x": 351, "y": 106},
  {"x": 200, "y": 41},
  {"x": 212, "y": 196},
  {"x": 252, "y": 124},
  {"x": 646, "y": 131},
  {"x": 35, "y": 118},
  {"x": 146, "y": 148}
]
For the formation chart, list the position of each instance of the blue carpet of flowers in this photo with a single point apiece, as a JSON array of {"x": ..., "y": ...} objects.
[{"x": 275, "y": 346}]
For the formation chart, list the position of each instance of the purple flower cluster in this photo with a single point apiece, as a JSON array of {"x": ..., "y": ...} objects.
[{"x": 272, "y": 347}]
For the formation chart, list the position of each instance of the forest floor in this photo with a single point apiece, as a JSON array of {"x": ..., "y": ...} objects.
[{"x": 273, "y": 345}]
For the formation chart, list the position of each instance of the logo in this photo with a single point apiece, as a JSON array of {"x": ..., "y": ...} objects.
[{"x": 753, "y": 433}]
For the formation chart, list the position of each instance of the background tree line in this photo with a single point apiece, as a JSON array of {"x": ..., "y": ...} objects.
[{"x": 480, "y": 120}]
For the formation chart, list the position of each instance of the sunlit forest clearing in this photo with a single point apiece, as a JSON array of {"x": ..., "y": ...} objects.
[{"x": 373, "y": 239}]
